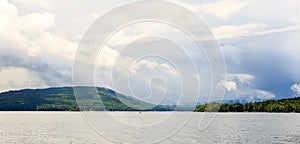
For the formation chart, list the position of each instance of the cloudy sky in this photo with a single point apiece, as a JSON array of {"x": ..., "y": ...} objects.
[{"x": 259, "y": 41}]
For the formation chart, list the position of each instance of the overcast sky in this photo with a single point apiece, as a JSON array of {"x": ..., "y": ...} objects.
[{"x": 259, "y": 41}]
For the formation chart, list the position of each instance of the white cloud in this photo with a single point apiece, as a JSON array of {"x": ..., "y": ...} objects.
[
  {"x": 296, "y": 88},
  {"x": 263, "y": 94},
  {"x": 7, "y": 9},
  {"x": 223, "y": 9},
  {"x": 228, "y": 85},
  {"x": 239, "y": 87},
  {"x": 157, "y": 66},
  {"x": 231, "y": 31},
  {"x": 107, "y": 57},
  {"x": 56, "y": 45},
  {"x": 32, "y": 33},
  {"x": 236, "y": 81},
  {"x": 136, "y": 31},
  {"x": 243, "y": 78},
  {"x": 36, "y": 22},
  {"x": 19, "y": 78},
  {"x": 246, "y": 30},
  {"x": 30, "y": 40},
  {"x": 276, "y": 30},
  {"x": 32, "y": 3}
]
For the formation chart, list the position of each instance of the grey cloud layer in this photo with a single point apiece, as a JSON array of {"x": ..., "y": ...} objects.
[{"x": 258, "y": 39}]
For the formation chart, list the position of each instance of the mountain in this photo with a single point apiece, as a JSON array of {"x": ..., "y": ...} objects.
[{"x": 63, "y": 99}]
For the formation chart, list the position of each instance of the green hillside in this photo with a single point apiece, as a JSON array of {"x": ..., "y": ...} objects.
[
  {"x": 283, "y": 105},
  {"x": 63, "y": 99}
]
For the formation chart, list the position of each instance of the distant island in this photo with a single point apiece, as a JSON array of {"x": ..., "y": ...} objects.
[
  {"x": 63, "y": 99},
  {"x": 283, "y": 105}
]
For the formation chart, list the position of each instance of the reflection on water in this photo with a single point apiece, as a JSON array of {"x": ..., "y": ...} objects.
[{"x": 70, "y": 127}]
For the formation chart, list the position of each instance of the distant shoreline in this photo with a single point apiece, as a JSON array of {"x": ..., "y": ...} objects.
[
  {"x": 2, "y": 112},
  {"x": 290, "y": 105},
  {"x": 63, "y": 99}
]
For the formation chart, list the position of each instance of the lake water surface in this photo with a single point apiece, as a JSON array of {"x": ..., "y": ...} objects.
[{"x": 71, "y": 127}]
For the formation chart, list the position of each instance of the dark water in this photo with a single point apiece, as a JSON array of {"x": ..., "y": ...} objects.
[{"x": 70, "y": 127}]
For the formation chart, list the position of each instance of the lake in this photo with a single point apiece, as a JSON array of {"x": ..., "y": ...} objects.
[{"x": 73, "y": 128}]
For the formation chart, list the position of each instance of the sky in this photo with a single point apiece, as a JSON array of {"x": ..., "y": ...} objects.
[{"x": 259, "y": 41}]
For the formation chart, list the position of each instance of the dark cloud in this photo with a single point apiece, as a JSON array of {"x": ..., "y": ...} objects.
[
  {"x": 268, "y": 58},
  {"x": 45, "y": 70}
]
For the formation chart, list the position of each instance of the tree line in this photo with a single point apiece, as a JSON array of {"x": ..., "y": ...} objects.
[{"x": 283, "y": 105}]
